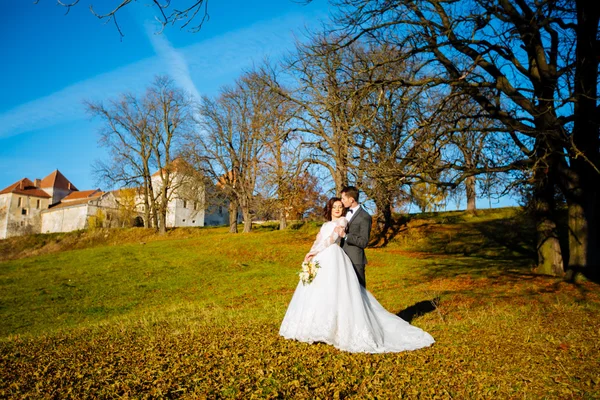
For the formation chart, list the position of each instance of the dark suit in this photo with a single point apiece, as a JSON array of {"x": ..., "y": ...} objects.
[{"x": 354, "y": 243}]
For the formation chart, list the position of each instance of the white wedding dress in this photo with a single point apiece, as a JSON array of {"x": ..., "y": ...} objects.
[{"x": 335, "y": 309}]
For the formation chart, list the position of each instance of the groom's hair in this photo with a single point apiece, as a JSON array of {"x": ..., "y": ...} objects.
[{"x": 351, "y": 191}]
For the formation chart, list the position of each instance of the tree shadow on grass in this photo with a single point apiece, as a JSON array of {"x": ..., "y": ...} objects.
[
  {"x": 418, "y": 309},
  {"x": 381, "y": 237},
  {"x": 514, "y": 235},
  {"x": 509, "y": 237},
  {"x": 513, "y": 285}
]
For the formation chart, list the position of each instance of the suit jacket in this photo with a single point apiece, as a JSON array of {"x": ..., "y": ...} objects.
[{"x": 358, "y": 232}]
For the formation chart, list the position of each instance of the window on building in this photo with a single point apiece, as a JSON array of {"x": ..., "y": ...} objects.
[
  {"x": 184, "y": 220},
  {"x": 24, "y": 211},
  {"x": 184, "y": 204},
  {"x": 38, "y": 204},
  {"x": 220, "y": 210},
  {"x": 19, "y": 201},
  {"x": 193, "y": 221}
]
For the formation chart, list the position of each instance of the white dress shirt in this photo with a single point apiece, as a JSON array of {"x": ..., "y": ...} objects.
[{"x": 349, "y": 214}]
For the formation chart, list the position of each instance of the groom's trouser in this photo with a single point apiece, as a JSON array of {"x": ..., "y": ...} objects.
[{"x": 360, "y": 274}]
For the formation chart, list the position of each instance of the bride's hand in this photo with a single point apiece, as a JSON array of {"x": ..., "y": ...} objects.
[
  {"x": 340, "y": 231},
  {"x": 308, "y": 257}
]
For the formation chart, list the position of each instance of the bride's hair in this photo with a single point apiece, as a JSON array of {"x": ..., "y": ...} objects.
[{"x": 329, "y": 207}]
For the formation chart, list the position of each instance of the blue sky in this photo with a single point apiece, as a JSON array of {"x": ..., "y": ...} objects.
[{"x": 52, "y": 62}]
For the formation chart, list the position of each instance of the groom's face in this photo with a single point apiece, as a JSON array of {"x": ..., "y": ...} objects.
[{"x": 347, "y": 201}]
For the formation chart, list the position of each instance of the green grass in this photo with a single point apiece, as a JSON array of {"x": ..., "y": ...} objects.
[{"x": 196, "y": 313}]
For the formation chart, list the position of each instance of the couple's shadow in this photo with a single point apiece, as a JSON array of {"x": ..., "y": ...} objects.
[{"x": 418, "y": 309}]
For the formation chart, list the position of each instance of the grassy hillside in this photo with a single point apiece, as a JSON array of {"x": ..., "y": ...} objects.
[{"x": 196, "y": 313}]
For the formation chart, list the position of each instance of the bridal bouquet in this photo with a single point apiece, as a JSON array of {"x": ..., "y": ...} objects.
[{"x": 309, "y": 271}]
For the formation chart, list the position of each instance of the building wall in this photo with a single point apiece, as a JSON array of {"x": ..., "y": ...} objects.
[
  {"x": 23, "y": 214},
  {"x": 182, "y": 212},
  {"x": 185, "y": 213},
  {"x": 57, "y": 194},
  {"x": 65, "y": 219},
  {"x": 4, "y": 202}
]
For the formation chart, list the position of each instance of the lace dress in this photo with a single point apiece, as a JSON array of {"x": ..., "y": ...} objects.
[{"x": 335, "y": 309}]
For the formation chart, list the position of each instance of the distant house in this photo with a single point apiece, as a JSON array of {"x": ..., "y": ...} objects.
[
  {"x": 185, "y": 206},
  {"x": 80, "y": 209},
  {"x": 188, "y": 204},
  {"x": 22, "y": 203},
  {"x": 54, "y": 204}
]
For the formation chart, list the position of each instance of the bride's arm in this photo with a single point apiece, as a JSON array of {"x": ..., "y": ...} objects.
[
  {"x": 321, "y": 243},
  {"x": 314, "y": 248}
]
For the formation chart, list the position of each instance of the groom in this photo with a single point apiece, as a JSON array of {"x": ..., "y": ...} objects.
[{"x": 356, "y": 235}]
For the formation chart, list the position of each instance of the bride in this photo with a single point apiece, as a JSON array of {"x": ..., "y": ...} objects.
[{"x": 335, "y": 309}]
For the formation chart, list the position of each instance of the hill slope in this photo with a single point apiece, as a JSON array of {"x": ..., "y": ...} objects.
[{"x": 196, "y": 314}]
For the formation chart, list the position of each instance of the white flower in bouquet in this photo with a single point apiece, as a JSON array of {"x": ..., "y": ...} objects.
[{"x": 309, "y": 271}]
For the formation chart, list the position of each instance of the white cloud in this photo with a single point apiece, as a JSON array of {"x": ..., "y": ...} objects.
[
  {"x": 67, "y": 104},
  {"x": 206, "y": 65},
  {"x": 177, "y": 65}
]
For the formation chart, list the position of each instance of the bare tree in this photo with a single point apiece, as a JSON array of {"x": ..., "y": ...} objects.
[
  {"x": 231, "y": 142},
  {"x": 141, "y": 135},
  {"x": 387, "y": 142},
  {"x": 329, "y": 105},
  {"x": 531, "y": 66},
  {"x": 171, "y": 118},
  {"x": 127, "y": 136},
  {"x": 472, "y": 144},
  {"x": 280, "y": 162}
]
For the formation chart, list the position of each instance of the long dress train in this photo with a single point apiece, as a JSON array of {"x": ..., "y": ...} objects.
[{"x": 335, "y": 309}]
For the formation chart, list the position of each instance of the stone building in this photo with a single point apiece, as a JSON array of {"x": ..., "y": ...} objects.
[
  {"x": 54, "y": 204},
  {"x": 22, "y": 203},
  {"x": 188, "y": 203},
  {"x": 80, "y": 210}
]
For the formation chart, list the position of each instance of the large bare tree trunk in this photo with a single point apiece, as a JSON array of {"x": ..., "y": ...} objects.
[
  {"x": 584, "y": 183},
  {"x": 162, "y": 222},
  {"x": 471, "y": 195},
  {"x": 162, "y": 211},
  {"x": 582, "y": 200},
  {"x": 155, "y": 224},
  {"x": 147, "y": 222},
  {"x": 384, "y": 215},
  {"x": 247, "y": 218},
  {"x": 550, "y": 261},
  {"x": 233, "y": 211},
  {"x": 282, "y": 219},
  {"x": 578, "y": 236},
  {"x": 340, "y": 177}
]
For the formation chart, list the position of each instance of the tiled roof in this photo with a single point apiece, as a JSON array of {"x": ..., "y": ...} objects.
[
  {"x": 33, "y": 192},
  {"x": 84, "y": 194},
  {"x": 57, "y": 180},
  {"x": 69, "y": 204},
  {"x": 176, "y": 165},
  {"x": 78, "y": 198},
  {"x": 25, "y": 187},
  {"x": 23, "y": 183}
]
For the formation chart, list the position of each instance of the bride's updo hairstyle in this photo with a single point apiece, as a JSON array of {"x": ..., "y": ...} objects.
[{"x": 329, "y": 207}]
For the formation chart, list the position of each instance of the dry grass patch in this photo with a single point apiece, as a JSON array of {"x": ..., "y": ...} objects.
[{"x": 196, "y": 315}]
